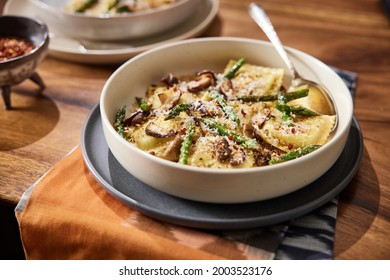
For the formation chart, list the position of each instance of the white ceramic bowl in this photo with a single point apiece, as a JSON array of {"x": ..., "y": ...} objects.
[
  {"x": 118, "y": 27},
  {"x": 209, "y": 185}
]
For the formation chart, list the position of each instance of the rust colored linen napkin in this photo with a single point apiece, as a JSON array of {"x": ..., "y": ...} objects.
[{"x": 68, "y": 215}]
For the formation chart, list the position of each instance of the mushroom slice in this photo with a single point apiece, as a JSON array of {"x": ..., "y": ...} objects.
[
  {"x": 139, "y": 117},
  {"x": 172, "y": 152},
  {"x": 222, "y": 149},
  {"x": 206, "y": 108},
  {"x": 208, "y": 73},
  {"x": 263, "y": 156},
  {"x": 199, "y": 85},
  {"x": 237, "y": 158},
  {"x": 173, "y": 100},
  {"x": 259, "y": 119},
  {"x": 204, "y": 79},
  {"x": 157, "y": 132},
  {"x": 170, "y": 80},
  {"x": 227, "y": 88},
  {"x": 164, "y": 98},
  {"x": 248, "y": 129}
]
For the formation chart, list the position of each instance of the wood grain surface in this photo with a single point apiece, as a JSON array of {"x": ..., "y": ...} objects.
[{"x": 352, "y": 35}]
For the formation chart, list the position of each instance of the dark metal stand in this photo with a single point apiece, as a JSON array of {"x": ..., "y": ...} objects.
[{"x": 6, "y": 90}]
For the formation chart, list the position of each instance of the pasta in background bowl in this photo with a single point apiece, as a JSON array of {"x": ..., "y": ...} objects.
[
  {"x": 113, "y": 7},
  {"x": 233, "y": 184},
  {"x": 113, "y": 20}
]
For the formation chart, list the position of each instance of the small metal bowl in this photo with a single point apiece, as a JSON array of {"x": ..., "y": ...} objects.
[{"x": 15, "y": 70}]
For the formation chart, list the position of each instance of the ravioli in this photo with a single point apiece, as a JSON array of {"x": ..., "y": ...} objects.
[
  {"x": 111, "y": 7},
  {"x": 302, "y": 132},
  {"x": 152, "y": 144},
  {"x": 204, "y": 154},
  {"x": 256, "y": 80}
]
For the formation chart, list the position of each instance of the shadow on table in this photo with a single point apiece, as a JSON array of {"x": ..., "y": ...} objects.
[
  {"x": 32, "y": 117},
  {"x": 10, "y": 243},
  {"x": 215, "y": 28},
  {"x": 363, "y": 204}
]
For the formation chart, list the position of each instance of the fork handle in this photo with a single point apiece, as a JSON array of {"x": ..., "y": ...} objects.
[{"x": 259, "y": 16}]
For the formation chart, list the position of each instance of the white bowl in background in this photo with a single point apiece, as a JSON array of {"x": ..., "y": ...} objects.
[
  {"x": 117, "y": 27},
  {"x": 222, "y": 185}
]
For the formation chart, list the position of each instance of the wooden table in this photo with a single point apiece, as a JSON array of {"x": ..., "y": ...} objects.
[{"x": 352, "y": 35}]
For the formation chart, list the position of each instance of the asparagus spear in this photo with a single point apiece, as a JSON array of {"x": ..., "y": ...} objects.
[
  {"x": 235, "y": 68},
  {"x": 119, "y": 121},
  {"x": 261, "y": 98},
  {"x": 86, "y": 5},
  {"x": 222, "y": 130},
  {"x": 291, "y": 95},
  {"x": 123, "y": 9},
  {"x": 186, "y": 144},
  {"x": 295, "y": 154},
  {"x": 282, "y": 97},
  {"x": 143, "y": 104},
  {"x": 297, "y": 110},
  {"x": 225, "y": 107},
  {"x": 175, "y": 111},
  {"x": 112, "y": 5}
]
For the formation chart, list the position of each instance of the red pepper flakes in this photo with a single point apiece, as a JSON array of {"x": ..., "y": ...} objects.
[
  {"x": 14, "y": 47},
  {"x": 293, "y": 130}
]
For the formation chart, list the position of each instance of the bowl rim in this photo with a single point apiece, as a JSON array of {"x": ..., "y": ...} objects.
[
  {"x": 336, "y": 137},
  {"x": 45, "y": 34},
  {"x": 107, "y": 17}
]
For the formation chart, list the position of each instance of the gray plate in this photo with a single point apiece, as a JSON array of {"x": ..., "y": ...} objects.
[{"x": 153, "y": 203}]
